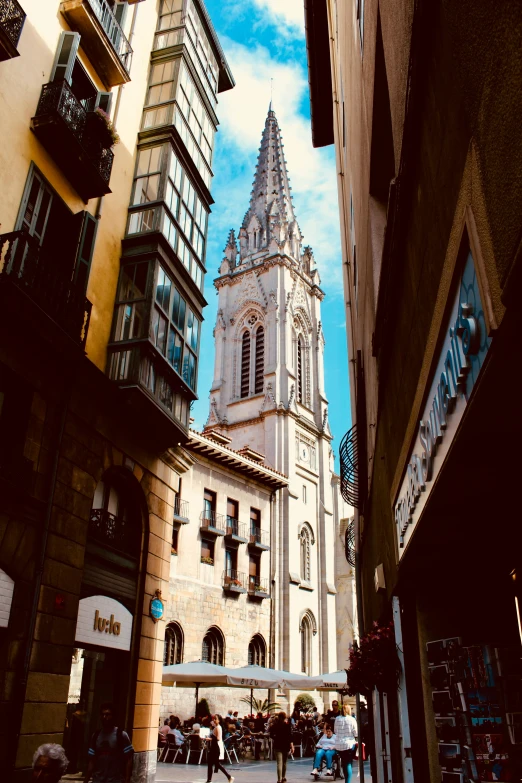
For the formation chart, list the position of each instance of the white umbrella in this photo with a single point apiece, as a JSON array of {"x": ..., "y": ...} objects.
[
  {"x": 255, "y": 677},
  {"x": 301, "y": 682},
  {"x": 195, "y": 674},
  {"x": 334, "y": 681}
]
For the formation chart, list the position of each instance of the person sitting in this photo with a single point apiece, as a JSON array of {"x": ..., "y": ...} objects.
[
  {"x": 325, "y": 748},
  {"x": 165, "y": 728},
  {"x": 196, "y": 728},
  {"x": 49, "y": 763},
  {"x": 174, "y": 728}
]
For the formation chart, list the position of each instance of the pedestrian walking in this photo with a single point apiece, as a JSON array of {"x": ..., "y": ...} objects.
[
  {"x": 49, "y": 763},
  {"x": 216, "y": 751},
  {"x": 281, "y": 733},
  {"x": 345, "y": 730},
  {"x": 110, "y": 751}
]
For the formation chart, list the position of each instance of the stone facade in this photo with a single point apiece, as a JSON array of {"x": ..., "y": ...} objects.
[{"x": 268, "y": 395}]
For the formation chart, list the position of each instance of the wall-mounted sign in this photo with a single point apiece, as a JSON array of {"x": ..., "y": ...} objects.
[
  {"x": 156, "y": 607},
  {"x": 104, "y": 622},
  {"x": 6, "y": 598},
  {"x": 462, "y": 355}
]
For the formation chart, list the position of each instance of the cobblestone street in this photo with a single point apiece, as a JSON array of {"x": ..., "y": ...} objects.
[{"x": 245, "y": 772}]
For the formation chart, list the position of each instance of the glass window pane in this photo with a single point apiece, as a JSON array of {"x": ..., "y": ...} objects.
[
  {"x": 155, "y": 155},
  {"x": 140, "y": 280},
  {"x": 161, "y": 340},
  {"x": 144, "y": 161}
]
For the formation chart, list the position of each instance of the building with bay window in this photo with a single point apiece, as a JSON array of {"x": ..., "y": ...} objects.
[{"x": 110, "y": 112}]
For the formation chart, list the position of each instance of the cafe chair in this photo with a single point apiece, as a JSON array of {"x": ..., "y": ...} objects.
[
  {"x": 196, "y": 745},
  {"x": 171, "y": 748}
]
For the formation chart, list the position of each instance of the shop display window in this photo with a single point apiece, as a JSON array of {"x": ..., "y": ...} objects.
[{"x": 477, "y": 701}]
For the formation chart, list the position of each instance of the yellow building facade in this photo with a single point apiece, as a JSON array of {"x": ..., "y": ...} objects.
[{"x": 102, "y": 261}]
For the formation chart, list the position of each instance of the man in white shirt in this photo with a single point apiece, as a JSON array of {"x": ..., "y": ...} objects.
[{"x": 325, "y": 748}]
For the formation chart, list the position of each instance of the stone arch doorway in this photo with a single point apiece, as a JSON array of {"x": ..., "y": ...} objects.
[{"x": 108, "y": 627}]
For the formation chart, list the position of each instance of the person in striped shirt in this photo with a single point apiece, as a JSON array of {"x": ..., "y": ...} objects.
[{"x": 110, "y": 751}]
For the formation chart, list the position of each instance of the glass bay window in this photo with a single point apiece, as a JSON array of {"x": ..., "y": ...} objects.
[{"x": 179, "y": 213}]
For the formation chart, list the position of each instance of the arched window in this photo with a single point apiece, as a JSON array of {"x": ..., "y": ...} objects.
[
  {"x": 245, "y": 364},
  {"x": 255, "y": 239},
  {"x": 214, "y": 647},
  {"x": 305, "y": 543},
  {"x": 306, "y": 644},
  {"x": 300, "y": 368},
  {"x": 113, "y": 520},
  {"x": 260, "y": 360},
  {"x": 173, "y": 650},
  {"x": 257, "y": 651}
]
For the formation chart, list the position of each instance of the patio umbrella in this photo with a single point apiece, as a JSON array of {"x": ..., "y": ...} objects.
[
  {"x": 301, "y": 682},
  {"x": 334, "y": 681},
  {"x": 255, "y": 677},
  {"x": 195, "y": 674}
]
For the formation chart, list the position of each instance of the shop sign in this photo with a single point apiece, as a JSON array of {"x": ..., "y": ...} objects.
[
  {"x": 156, "y": 607},
  {"x": 104, "y": 622},
  {"x": 6, "y": 598},
  {"x": 460, "y": 360}
]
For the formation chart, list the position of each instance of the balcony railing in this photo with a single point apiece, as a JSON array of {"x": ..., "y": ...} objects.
[
  {"x": 236, "y": 531},
  {"x": 349, "y": 462},
  {"x": 258, "y": 586},
  {"x": 210, "y": 522},
  {"x": 113, "y": 30},
  {"x": 234, "y": 581},
  {"x": 114, "y": 531},
  {"x": 259, "y": 539},
  {"x": 12, "y": 18},
  {"x": 22, "y": 262},
  {"x": 102, "y": 38},
  {"x": 64, "y": 128},
  {"x": 181, "y": 510}
]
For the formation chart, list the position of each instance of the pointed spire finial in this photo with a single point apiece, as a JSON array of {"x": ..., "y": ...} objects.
[{"x": 271, "y": 107}]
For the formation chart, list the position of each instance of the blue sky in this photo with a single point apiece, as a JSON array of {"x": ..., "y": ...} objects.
[{"x": 264, "y": 40}]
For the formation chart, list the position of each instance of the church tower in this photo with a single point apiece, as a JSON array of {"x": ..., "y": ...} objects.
[{"x": 268, "y": 397}]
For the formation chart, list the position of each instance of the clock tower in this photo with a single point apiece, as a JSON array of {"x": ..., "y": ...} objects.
[{"x": 268, "y": 398}]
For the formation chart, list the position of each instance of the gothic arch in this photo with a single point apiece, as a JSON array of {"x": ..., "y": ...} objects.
[
  {"x": 302, "y": 363},
  {"x": 213, "y": 647},
  {"x": 247, "y": 324},
  {"x": 173, "y": 646},
  {"x": 308, "y": 616},
  {"x": 257, "y": 651}
]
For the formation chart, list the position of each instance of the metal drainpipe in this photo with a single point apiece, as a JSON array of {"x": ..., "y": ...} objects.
[{"x": 22, "y": 689}]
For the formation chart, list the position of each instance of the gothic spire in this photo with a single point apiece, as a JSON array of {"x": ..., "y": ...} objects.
[{"x": 270, "y": 221}]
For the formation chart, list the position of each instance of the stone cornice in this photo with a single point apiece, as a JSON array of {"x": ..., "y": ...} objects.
[{"x": 232, "y": 277}]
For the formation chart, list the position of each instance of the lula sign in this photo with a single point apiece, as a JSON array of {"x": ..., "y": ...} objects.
[
  {"x": 460, "y": 359},
  {"x": 103, "y": 622}
]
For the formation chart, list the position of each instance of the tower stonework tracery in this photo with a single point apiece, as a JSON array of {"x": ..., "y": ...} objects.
[{"x": 268, "y": 395}]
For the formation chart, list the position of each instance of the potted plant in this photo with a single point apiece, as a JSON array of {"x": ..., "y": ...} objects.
[
  {"x": 173, "y": 551},
  {"x": 207, "y": 560},
  {"x": 101, "y": 130},
  {"x": 374, "y": 662}
]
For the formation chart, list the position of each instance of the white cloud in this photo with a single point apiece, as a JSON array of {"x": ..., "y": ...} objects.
[
  {"x": 287, "y": 12},
  {"x": 242, "y": 112}
]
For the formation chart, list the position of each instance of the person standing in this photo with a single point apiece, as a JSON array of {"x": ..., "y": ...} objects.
[
  {"x": 216, "y": 751},
  {"x": 110, "y": 751},
  {"x": 332, "y": 714},
  {"x": 345, "y": 730},
  {"x": 281, "y": 733}
]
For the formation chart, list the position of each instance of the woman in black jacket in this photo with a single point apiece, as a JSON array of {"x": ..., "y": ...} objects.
[{"x": 281, "y": 733}]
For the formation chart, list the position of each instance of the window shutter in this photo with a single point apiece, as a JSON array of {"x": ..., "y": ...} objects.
[
  {"x": 104, "y": 102},
  {"x": 89, "y": 226},
  {"x": 260, "y": 361},
  {"x": 245, "y": 365},
  {"x": 65, "y": 56}
]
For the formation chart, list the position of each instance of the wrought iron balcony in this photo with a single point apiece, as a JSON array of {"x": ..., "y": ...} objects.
[
  {"x": 23, "y": 264},
  {"x": 110, "y": 530},
  {"x": 259, "y": 539},
  {"x": 12, "y": 18},
  {"x": 70, "y": 135},
  {"x": 234, "y": 581},
  {"x": 258, "y": 587},
  {"x": 349, "y": 461},
  {"x": 102, "y": 38},
  {"x": 236, "y": 531},
  {"x": 181, "y": 510},
  {"x": 210, "y": 522}
]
